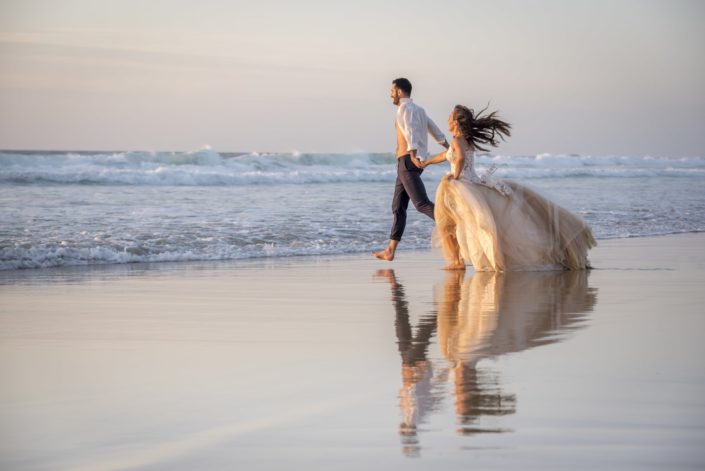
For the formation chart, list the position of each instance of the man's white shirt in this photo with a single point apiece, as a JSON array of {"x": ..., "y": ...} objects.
[{"x": 415, "y": 125}]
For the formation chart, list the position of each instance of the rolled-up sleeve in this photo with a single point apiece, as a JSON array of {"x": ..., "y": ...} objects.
[{"x": 436, "y": 132}]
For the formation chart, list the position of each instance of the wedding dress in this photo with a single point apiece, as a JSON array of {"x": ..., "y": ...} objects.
[{"x": 501, "y": 225}]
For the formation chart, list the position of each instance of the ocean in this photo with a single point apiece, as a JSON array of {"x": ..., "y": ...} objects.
[{"x": 63, "y": 208}]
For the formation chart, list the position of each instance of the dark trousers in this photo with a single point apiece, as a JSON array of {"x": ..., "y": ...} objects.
[
  {"x": 408, "y": 187},
  {"x": 412, "y": 347}
]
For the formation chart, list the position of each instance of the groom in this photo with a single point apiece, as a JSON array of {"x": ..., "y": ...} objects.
[{"x": 412, "y": 126}]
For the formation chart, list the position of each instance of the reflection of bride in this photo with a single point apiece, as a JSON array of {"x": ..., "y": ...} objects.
[
  {"x": 492, "y": 314},
  {"x": 483, "y": 316},
  {"x": 499, "y": 225}
]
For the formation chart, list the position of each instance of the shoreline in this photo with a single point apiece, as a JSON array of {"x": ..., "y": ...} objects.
[{"x": 184, "y": 264}]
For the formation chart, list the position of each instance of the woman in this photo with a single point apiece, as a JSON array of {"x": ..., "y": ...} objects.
[{"x": 499, "y": 225}]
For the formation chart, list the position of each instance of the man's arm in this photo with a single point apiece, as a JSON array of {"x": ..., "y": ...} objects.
[{"x": 437, "y": 133}]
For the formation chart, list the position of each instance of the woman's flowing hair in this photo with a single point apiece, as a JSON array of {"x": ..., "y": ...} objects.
[{"x": 481, "y": 129}]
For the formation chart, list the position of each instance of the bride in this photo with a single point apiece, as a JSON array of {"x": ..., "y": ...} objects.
[{"x": 499, "y": 225}]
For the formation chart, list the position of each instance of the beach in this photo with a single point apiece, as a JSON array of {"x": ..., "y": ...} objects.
[
  {"x": 192, "y": 196},
  {"x": 344, "y": 361}
]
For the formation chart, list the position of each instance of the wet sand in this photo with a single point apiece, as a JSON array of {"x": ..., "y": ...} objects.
[{"x": 351, "y": 363}]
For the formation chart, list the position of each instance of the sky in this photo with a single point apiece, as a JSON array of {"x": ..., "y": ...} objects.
[{"x": 595, "y": 77}]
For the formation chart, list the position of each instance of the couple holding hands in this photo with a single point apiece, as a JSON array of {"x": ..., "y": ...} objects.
[{"x": 493, "y": 225}]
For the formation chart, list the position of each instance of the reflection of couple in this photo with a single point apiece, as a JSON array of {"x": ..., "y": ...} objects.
[
  {"x": 486, "y": 315},
  {"x": 495, "y": 225}
]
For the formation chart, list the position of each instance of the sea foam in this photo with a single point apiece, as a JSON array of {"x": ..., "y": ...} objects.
[{"x": 207, "y": 167}]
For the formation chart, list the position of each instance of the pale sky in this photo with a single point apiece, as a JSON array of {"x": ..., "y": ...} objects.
[{"x": 590, "y": 77}]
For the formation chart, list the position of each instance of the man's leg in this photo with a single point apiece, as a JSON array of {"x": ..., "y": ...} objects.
[
  {"x": 410, "y": 177},
  {"x": 400, "y": 203}
]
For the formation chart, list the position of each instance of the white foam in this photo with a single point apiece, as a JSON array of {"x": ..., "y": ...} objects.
[
  {"x": 45, "y": 257},
  {"x": 206, "y": 168}
]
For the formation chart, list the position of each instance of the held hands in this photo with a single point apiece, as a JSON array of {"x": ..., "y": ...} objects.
[{"x": 418, "y": 163}]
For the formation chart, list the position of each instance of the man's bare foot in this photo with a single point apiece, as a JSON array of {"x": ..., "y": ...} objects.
[
  {"x": 459, "y": 265},
  {"x": 385, "y": 254}
]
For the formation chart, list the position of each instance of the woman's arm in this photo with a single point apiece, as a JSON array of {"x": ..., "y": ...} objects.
[{"x": 436, "y": 159}]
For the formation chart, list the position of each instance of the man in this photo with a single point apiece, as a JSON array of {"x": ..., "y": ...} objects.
[{"x": 412, "y": 126}]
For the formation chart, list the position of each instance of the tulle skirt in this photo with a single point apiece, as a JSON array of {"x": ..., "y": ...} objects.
[{"x": 520, "y": 231}]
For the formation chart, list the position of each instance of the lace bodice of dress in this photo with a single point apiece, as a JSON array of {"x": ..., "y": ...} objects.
[{"x": 468, "y": 172}]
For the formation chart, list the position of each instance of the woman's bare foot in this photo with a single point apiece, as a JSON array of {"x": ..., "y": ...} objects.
[
  {"x": 457, "y": 265},
  {"x": 385, "y": 254}
]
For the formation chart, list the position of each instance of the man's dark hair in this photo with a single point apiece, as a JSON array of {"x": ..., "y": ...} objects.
[{"x": 403, "y": 84}]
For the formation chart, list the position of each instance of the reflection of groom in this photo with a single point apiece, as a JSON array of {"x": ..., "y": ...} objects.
[
  {"x": 415, "y": 398},
  {"x": 412, "y": 125}
]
